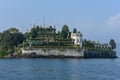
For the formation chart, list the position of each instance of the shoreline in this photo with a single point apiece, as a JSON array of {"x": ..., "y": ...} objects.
[{"x": 64, "y": 54}]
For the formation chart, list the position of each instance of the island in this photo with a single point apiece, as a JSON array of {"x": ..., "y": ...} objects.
[{"x": 47, "y": 42}]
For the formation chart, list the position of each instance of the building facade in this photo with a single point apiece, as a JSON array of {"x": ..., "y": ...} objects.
[{"x": 77, "y": 38}]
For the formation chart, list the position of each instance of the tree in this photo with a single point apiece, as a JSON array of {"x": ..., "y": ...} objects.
[
  {"x": 64, "y": 32},
  {"x": 74, "y": 30},
  {"x": 58, "y": 32},
  {"x": 0, "y": 37},
  {"x": 50, "y": 27},
  {"x": 33, "y": 32},
  {"x": 12, "y": 30},
  {"x": 18, "y": 38},
  {"x": 9, "y": 40},
  {"x": 27, "y": 35},
  {"x": 112, "y": 44},
  {"x": 87, "y": 44}
]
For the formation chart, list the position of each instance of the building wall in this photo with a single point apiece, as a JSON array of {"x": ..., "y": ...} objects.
[{"x": 77, "y": 37}]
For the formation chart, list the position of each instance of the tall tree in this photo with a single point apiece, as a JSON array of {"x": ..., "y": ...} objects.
[
  {"x": 64, "y": 32},
  {"x": 10, "y": 39},
  {"x": 12, "y": 30},
  {"x": 112, "y": 44},
  {"x": 33, "y": 32},
  {"x": 27, "y": 35},
  {"x": 74, "y": 30}
]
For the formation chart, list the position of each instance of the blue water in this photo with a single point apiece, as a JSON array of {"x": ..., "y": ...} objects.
[{"x": 60, "y": 69}]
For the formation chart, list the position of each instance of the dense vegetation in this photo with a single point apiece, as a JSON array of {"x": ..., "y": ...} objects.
[
  {"x": 112, "y": 44},
  {"x": 48, "y": 37},
  {"x": 10, "y": 39}
]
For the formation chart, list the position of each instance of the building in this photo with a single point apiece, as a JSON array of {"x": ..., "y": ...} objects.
[
  {"x": 99, "y": 45},
  {"x": 77, "y": 38}
]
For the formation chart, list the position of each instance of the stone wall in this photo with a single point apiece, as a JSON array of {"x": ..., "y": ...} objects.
[
  {"x": 53, "y": 53},
  {"x": 66, "y": 53},
  {"x": 99, "y": 54}
]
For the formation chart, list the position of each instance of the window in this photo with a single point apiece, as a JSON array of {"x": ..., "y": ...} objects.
[{"x": 78, "y": 41}]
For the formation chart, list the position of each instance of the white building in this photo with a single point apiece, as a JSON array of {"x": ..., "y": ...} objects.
[{"x": 77, "y": 37}]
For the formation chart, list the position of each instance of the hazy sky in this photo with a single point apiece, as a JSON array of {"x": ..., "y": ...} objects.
[{"x": 96, "y": 19}]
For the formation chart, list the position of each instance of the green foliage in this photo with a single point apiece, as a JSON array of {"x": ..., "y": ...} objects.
[
  {"x": 10, "y": 39},
  {"x": 64, "y": 32},
  {"x": 37, "y": 31},
  {"x": 112, "y": 44},
  {"x": 27, "y": 35},
  {"x": 18, "y": 38},
  {"x": 2, "y": 53},
  {"x": 12, "y": 30},
  {"x": 87, "y": 44},
  {"x": 33, "y": 32},
  {"x": 74, "y": 30}
]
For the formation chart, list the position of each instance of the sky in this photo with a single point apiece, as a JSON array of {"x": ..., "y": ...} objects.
[{"x": 97, "y": 20}]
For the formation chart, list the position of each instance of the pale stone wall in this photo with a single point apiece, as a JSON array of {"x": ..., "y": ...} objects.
[{"x": 55, "y": 52}]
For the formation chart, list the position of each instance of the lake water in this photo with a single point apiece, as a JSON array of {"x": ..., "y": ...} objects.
[{"x": 60, "y": 69}]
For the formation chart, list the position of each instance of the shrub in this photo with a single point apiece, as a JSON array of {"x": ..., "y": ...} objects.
[{"x": 2, "y": 53}]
